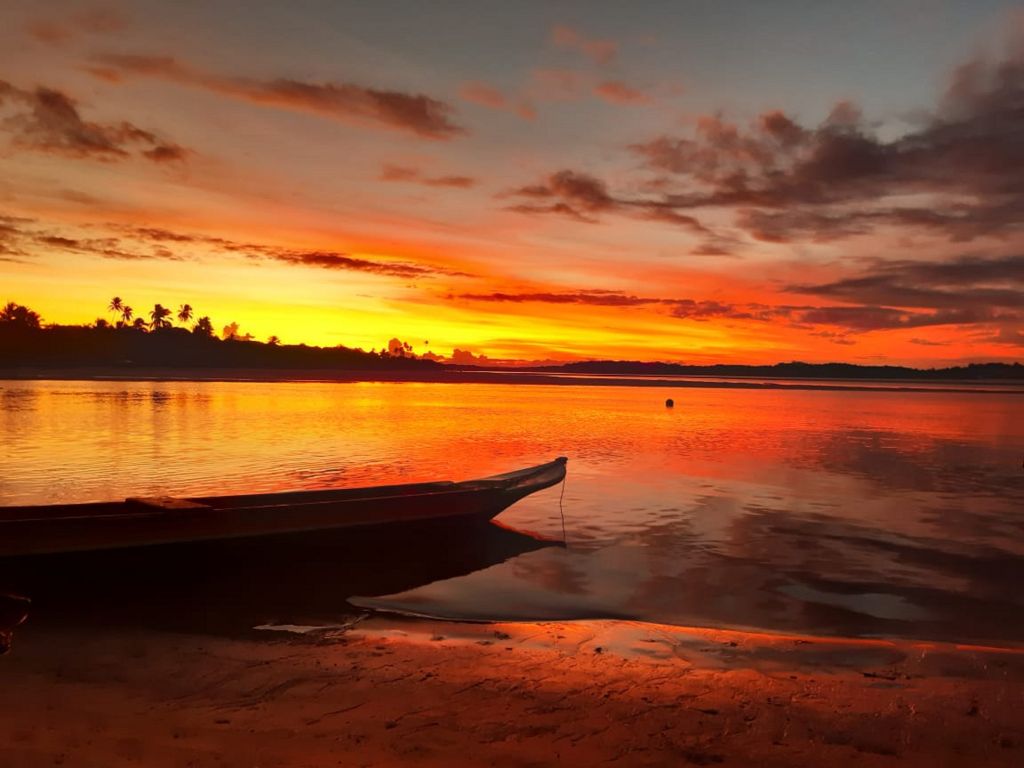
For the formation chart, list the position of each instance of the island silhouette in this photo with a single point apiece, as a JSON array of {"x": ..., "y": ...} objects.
[{"x": 130, "y": 342}]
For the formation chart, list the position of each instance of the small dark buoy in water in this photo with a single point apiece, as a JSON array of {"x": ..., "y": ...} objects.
[{"x": 670, "y": 403}]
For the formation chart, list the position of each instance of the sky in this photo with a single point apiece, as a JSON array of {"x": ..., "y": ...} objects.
[{"x": 702, "y": 182}]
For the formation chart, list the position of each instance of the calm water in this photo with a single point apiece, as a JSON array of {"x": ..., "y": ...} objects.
[{"x": 870, "y": 513}]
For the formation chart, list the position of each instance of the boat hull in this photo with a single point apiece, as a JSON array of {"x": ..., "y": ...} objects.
[{"x": 142, "y": 522}]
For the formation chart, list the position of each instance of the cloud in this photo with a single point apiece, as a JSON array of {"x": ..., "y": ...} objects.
[
  {"x": 48, "y": 120},
  {"x": 1012, "y": 336},
  {"x": 231, "y": 331},
  {"x": 967, "y": 281},
  {"x": 465, "y": 357},
  {"x": 874, "y": 318},
  {"x": 50, "y": 32},
  {"x": 594, "y": 298},
  {"x": 413, "y": 113},
  {"x": 107, "y": 247},
  {"x": 848, "y": 319},
  {"x": 600, "y": 51},
  {"x": 585, "y": 198},
  {"x": 483, "y": 94},
  {"x": 25, "y": 236},
  {"x": 11, "y": 228},
  {"x": 617, "y": 92},
  {"x": 556, "y": 84},
  {"x": 951, "y": 175},
  {"x": 486, "y": 95},
  {"x": 323, "y": 259},
  {"x": 94, "y": 21},
  {"x": 680, "y": 308},
  {"x": 166, "y": 153},
  {"x": 416, "y": 176}
]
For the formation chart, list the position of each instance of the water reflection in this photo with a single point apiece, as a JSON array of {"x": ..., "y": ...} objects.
[
  {"x": 13, "y": 612},
  {"x": 231, "y": 586},
  {"x": 823, "y": 512}
]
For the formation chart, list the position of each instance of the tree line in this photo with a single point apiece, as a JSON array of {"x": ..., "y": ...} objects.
[{"x": 162, "y": 337}]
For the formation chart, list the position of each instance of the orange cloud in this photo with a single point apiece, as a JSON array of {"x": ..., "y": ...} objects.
[
  {"x": 617, "y": 92},
  {"x": 416, "y": 176},
  {"x": 599, "y": 50},
  {"x": 488, "y": 96},
  {"x": 98, "y": 21},
  {"x": 555, "y": 84},
  {"x": 483, "y": 94}
]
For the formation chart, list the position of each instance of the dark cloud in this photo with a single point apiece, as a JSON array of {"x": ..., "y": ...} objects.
[
  {"x": 584, "y": 197},
  {"x": 966, "y": 282},
  {"x": 866, "y": 318},
  {"x": 595, "y": 298},
  {"x": 681, "y": 308},
  {"x": 956, "y": 174},
  {"x": 1007, "y": 335},
  {"x": 688, "y": 309},
  {"x": 410, "y": 112},
  {"x": 416, "y": 176},
  {"x": 23, "y": 236},
  {"x": 848, "y": 319},
  {"x": 835, "y": 337},
  {"x": 166, "y": 153},
  {"x": 11, "y": 228},
  {"x": 107, "y": 247},
  {"x": 47, "y": 120},
  {"x": 713, "y": 248},
  {"x": 333, "y": 260},
  {"x": 322, "y": 259}
]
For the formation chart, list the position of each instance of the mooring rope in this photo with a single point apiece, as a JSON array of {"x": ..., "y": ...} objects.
[{"x": 562, "y": 511}]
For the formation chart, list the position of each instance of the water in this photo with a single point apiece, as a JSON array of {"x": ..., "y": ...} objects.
[{"x": 855, "y": 513}]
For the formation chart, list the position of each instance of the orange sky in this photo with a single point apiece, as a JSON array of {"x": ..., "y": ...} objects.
[{"x": 664, "y": 185}]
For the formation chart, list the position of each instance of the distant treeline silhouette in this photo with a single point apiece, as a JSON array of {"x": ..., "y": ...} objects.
[
  {"x": 133, "y": 342},
  {"x": 794, "y": 370}
]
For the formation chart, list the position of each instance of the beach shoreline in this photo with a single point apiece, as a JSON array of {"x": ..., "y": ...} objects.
[{"x": 391, "y": 691}]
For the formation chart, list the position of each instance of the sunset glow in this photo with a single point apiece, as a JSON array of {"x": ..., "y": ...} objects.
[{"x": 559, "y": 182}]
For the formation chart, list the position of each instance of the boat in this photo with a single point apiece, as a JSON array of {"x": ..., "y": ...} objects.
[{"x": 144, "y": 521}]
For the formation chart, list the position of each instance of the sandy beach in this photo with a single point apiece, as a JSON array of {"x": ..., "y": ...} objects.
[{"x": 394, "y": 691}]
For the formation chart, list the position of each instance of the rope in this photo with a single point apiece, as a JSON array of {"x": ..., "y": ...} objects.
[{"x": 562, "y": 512}]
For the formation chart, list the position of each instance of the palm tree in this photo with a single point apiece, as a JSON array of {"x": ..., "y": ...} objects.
[
  {"x": 16, "y": 314},
  {"x": 159, "y": 316},
  {"x": 126, "y": 314},
  {"x": 115, "y": 305},
  {"x": 139, "y": 324},
  {"x": 203, "y": 327},
  {"x": 184, "y": 313}
]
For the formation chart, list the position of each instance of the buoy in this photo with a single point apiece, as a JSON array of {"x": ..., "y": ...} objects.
[{"x": 669, "y": 403}]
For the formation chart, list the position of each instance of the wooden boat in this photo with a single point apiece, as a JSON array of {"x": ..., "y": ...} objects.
[{"x": 32, "y": 530}]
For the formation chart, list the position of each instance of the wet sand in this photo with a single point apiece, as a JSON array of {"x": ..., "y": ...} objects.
[{"x": 392, "y": 691}]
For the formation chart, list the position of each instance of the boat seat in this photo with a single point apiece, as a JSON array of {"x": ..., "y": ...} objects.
[{"x": 165, "y": 503}]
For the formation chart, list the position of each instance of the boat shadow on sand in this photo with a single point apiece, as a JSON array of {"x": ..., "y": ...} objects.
[{"x": 227, "y": 587}]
